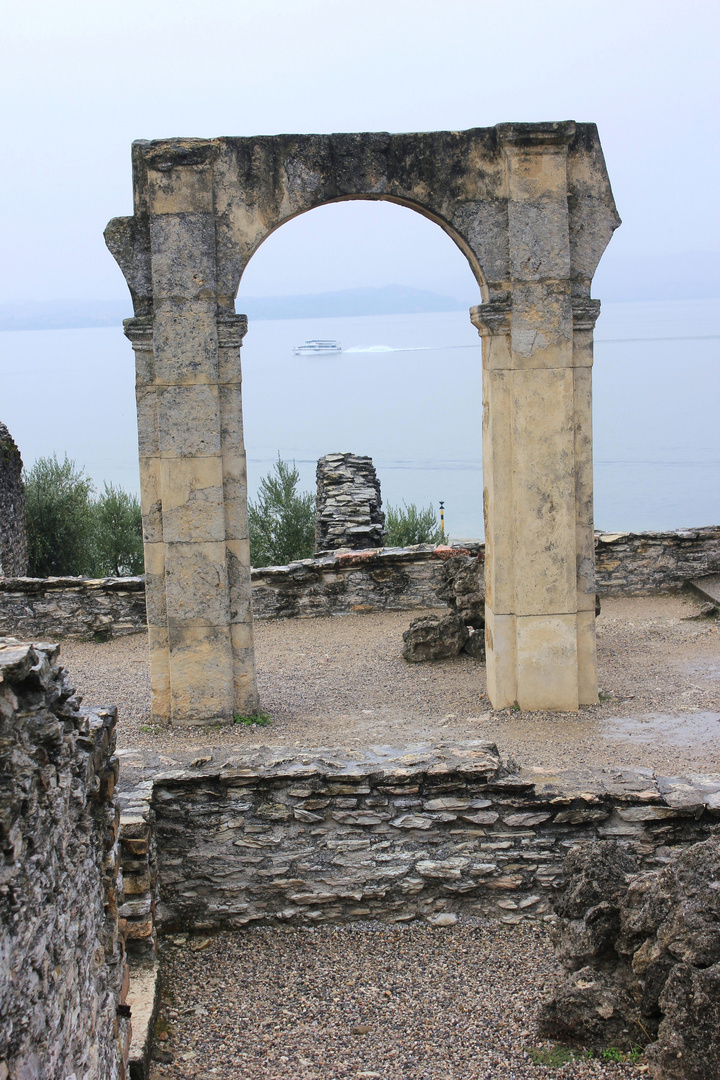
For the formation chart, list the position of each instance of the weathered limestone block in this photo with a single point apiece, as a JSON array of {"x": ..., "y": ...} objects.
[
  {"x": 13, "y": 533},
  {"x": 650, "y": 943},
  {"x": 433, "y": 638},
  {"x": 460, "y": 582},
  {"x": 63, "y": 977},
  {"x": 348, "y": 510}
]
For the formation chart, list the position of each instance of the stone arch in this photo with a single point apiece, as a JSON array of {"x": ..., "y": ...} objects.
[
  {"x": 450, "y": 231},
  {"x": 531, "y": 207}
]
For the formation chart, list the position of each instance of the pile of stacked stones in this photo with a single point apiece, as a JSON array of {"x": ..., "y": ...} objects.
[
  {"x": 348, "y": 513},
  {"x": 643, "y": 947},
  {"x": 459, "y": 582},
  {"x": 13, "y": 534}
]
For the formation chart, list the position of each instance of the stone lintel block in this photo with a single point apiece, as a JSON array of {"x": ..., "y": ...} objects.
[
  {"x": 181, "y": 190},
  {"x": 544, "y": 494},
  {"x": 151, "y": 499},
  {"x": 539, "y": 238},
  {"x": 154, "y": 555},
  {"x": 239, "y": 581},
  {"x": 192, "y": 499},
  {"x": 196, "y": 584},
  {"x": 587, "y": 658},
  {"x": 185, "y": 342},
  {"x": 201, "y": 674},
  {"x": 183, "y": 256},
  {"x": 547, "y": 662},
  {"x": 501, "y": 650},
  {"x": 231, "y": 419},
  {"x": 536, "y": 170},
  {"x": 188, "y": 421},
  {"x": 147, "y": 420}
]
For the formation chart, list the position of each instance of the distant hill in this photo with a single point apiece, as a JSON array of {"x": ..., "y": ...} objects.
[
  {"x": 688, "y": 276},
  {"x": 78, "y": 314},
  {"x": 388, "y": 300}
]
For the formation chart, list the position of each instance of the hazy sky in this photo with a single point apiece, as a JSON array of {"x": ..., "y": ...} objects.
[{"x": 82, "y": 78}]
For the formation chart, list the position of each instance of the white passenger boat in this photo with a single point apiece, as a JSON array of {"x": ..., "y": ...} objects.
[{"x": 317, "y": 347}]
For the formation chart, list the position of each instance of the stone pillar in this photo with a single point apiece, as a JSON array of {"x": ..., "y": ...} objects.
[
  {"x": 192, "y": 467},
  {"x": 348, "y": 508},
  {"x": 537, "y": 453},
  {"x": 13, "y": 532}
]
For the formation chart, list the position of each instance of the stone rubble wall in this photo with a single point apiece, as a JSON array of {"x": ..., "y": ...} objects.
[
  {"x": 63, "y": 979},
  {"x": 389, "y": 579},
  {"x": 327, "y": 835},
  {"x": 13, "y": 532},
  {"x": 348, "y": 508},
  {"x": 50, "y": 608},
  {"x": 641, "y": 564},
  {"x": 643, "y": 949}
]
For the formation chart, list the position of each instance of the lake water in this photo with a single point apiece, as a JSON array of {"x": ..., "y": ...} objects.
[{"x": 415, "y": 407}]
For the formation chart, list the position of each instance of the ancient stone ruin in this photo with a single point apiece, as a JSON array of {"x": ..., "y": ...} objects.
[
  {"x": 348, "y": 508},
  {"x": 63, "y": 981},
  {"x": 643, "y": 947},
  {"x": 13, "y": 533},
  {"x": 531, "y": 208}
]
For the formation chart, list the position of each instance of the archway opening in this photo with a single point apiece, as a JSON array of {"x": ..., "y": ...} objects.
[
  {"x": 394, "y": 290},
  {"x": 406, "y": 390}
]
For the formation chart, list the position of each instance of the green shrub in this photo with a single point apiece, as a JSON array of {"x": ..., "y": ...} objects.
[
  {"x": 71, "y": 532},
  {"x": 408, "y": 525},
  {"x": 282, "y": 520},
  {"x": 59, "y": 516},
  {"x": 118, "y": 533}
]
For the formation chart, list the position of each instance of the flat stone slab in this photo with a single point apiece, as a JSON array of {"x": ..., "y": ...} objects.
[
  {"x": 144, "y": 1001},
  {"x": 708, "y": 587}
]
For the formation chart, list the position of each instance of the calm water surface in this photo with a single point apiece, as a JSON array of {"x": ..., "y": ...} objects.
[{"x": 415, "y": 407}]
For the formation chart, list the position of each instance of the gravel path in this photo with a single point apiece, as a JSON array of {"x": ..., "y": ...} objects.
[
  {"x": 342, "y": 682},
  {"x": 405, "y": 1002},
  {"x": 411, "y": 1002}
]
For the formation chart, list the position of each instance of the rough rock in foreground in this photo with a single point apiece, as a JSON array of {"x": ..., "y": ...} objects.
[
  {"x": 432, "y": 638},
  {"x": 643, "y": 950}
]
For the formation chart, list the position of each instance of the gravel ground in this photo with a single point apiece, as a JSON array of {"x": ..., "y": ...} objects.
[
  {"x": 411, "y": 1002},
  {"x": 342, "y": 682},
  {"x": 406, "y": 1002}
]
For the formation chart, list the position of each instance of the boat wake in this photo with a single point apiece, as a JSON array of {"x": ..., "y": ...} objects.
[{"x": 404, "y": 348}]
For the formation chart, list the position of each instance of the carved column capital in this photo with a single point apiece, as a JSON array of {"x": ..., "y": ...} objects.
[
  {"x": 585, "y": 313},
  {"x": 231, "y": 330},
  {"x": 139, "y": 331},
  {"x": 491, "y": 319}
]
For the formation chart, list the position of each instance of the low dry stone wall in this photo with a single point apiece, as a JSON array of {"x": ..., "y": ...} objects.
[
  {"x": 50, "y": 608},
  {"x": 640, "y": 564},
  {"x": 63, "y": 978},
  {"x": 389, "y": 579},
  {"x": 323, "y": 835}
]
